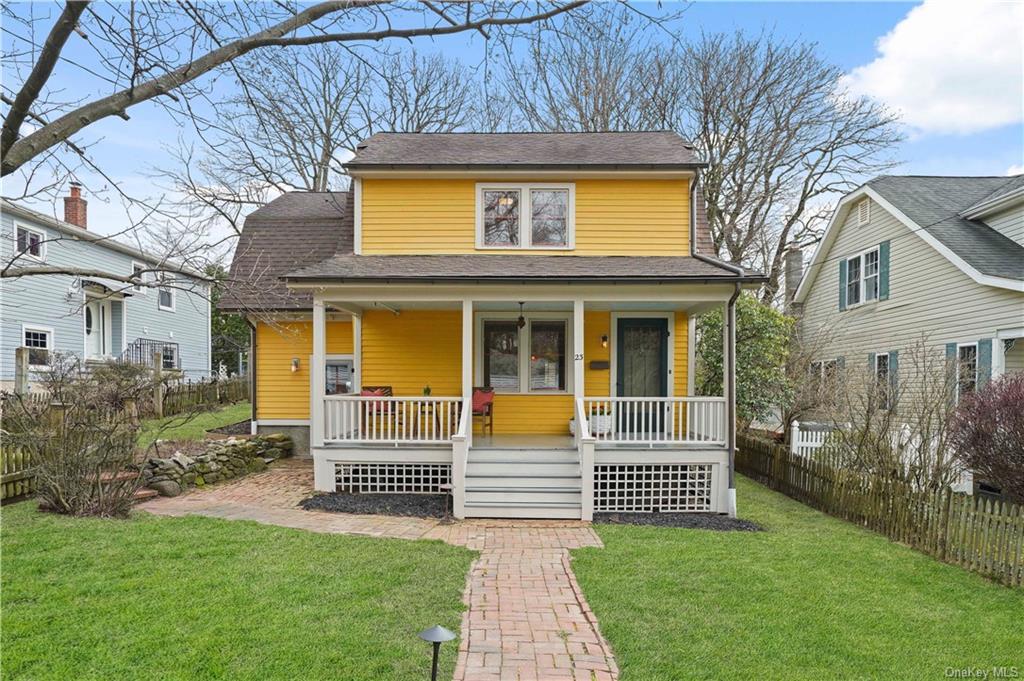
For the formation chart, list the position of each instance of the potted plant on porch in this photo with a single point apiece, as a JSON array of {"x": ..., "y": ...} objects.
[{"x": 600, "y": 420}]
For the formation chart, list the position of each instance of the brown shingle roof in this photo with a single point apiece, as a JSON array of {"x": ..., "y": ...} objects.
[
  {"x": 525, "y": 150},
  {"x": 292, "y": 231},
  {"x": 508, "y": 267}
]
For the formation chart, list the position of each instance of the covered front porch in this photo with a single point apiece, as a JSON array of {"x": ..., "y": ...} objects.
[{"x": 520, "y": 401}]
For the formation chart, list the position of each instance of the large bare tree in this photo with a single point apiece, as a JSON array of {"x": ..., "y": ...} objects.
[
  {"x": 781, "y": 137},
  {"x": 295, "y": 126}
]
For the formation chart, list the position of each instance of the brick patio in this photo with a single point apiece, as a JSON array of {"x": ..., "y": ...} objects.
[{"x": 527, "y": 618}]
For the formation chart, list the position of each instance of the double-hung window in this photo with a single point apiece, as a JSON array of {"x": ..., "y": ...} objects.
[
  {"x": 39, "y": 341},
  {"x": 883, "y": 380},
  {"x": 505, "y": 364},
  {"x": 165, "y": 296},
  {"x": 862, "y": 277},
  {"x": 966, "y": 369},
  {"x": 525, "y": 216},
  {"x": 140, "y": 274},
  {"x": 31, "y": 242}
]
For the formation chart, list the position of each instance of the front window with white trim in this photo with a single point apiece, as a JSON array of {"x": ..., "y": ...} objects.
[
  {"x": 538, "y": 216},
  {"x": 31, "y": 242},
  {"x": 862, "y": 277},
  {"x": 541, "y": 368},
  {"x": 39, "y": 341}
]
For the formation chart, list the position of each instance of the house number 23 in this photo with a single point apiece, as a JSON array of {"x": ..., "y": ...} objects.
[{"x": 578, "y": 356}]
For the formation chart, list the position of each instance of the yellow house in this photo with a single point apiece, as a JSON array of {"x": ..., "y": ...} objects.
[{"x": 506, "y": 316}]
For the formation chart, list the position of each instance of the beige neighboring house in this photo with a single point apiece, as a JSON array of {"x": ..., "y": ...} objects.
[{"x": 911, "y": 257}]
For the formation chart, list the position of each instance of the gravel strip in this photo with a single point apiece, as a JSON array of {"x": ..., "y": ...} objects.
[
  {"x": 694, "y": 521},
  {"x": 410, "y": 505}
]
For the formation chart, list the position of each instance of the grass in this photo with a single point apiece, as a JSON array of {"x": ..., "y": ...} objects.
[
  {"x": 191, "y": 427},
  {"x": 811, "y": 598},
  {"x": 202, "y": 598}
]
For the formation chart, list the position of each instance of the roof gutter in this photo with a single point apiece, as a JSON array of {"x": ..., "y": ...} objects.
[
  {"x": 740, "y": 278},
  {"x": 356, "y": 167}
]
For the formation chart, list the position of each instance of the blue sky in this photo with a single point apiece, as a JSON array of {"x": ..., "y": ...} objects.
[{"x": 954, "y": 68}]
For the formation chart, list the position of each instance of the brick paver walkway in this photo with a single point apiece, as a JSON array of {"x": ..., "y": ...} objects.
[{"x": 527, "y": 618}]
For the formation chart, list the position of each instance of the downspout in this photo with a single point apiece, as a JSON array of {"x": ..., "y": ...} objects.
[
  {"x": 252, "y": 374},
  {"x": 730, "y": 404}
]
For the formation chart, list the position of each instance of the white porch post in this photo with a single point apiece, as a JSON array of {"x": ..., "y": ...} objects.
[
  {"x": 729, "y": 390},
  {"x": 467, "y": 359},
  {"x": 357, "y": 353},
  {"x": 577, "y": 348},
  {"x": 323, "y": 470}
]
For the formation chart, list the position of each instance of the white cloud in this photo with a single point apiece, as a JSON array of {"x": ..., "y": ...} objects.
[
  {"x": 1015, "y": 170},
  {"x": 950, "y": 67}
]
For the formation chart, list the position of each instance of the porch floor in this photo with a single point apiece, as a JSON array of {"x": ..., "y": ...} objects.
[{"x": 523, "y": 441}]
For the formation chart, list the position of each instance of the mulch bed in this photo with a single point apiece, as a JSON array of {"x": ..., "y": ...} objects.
[
  {"x": 240, "y": 428},
  {"x": 693, "y": 521},
  {"x": 408, "y": 505}
]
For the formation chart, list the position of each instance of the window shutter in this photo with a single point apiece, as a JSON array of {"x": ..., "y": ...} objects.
[
  {"x": 842, "y": 285},
  {"x": 984, "y": 362},
  {"x": 841, "y": 363},
  {"x": 950, "y": 352},
  {"x": 894, "y": 370},
  {"x": 871, "y": 362},
  {"x": 883, "y": 270}
]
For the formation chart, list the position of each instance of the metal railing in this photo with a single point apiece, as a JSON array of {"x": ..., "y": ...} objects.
[
  {"x": 142, "y": 351},
  {"x": 656, "y": 420},
  {"x": 360, "y": 419}
]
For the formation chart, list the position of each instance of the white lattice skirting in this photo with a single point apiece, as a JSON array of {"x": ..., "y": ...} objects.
[
  {"x": 407, "y": 478},
  {"x": 653, "y": 487}
]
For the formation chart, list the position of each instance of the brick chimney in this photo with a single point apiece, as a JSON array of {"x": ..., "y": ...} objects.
[
  {"x": 794, "y": 270},
  {"x": 75, "y": 206}
]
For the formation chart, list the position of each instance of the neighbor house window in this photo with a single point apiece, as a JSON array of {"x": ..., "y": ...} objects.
[
  {"x": 140, "y": 274},
  {"x": 525, "y": 216},
  {"x": 862, "y": 277},
  {"x": 39, "y": 342},
  {"x": 169, "y": 357},
  {"x": 824, "y": 372},
  {"x": 883, "y": 380},
  {"x": 547, "y": 356},
  {"x": 967, "y": 369},
  {"x": 30, "y": 242},
  {"x": 165, "y": 297}
]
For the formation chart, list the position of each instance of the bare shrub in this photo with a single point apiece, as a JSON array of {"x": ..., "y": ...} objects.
[
  {"x": 988, "y": 432},
  {"x": 81, "y": 441}
]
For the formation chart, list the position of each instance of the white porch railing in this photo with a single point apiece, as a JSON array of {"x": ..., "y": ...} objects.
[
  {"x": 656, "y": 420},
  {"x": 460, "y": 458},
  {"x": 357, "y": 419}
]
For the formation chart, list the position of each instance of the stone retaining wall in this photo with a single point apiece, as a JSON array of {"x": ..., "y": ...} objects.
[{"x": 222, "y": 460}]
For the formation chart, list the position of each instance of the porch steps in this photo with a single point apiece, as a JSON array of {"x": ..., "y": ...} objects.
[{"x": 523, "y": 483}]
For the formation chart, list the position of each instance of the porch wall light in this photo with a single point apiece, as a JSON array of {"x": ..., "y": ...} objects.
[
  {"x": 295, "y": 364},
  {"x": 604, "y": 341}
]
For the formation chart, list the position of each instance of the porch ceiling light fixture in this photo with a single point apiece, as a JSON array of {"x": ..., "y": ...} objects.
[
  {"x": 295, "y": 364},
  {"x": 521, "y": 322},
  {"x": 436, "y": 635}
]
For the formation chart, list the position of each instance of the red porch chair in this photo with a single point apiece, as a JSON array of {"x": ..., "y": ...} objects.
[{"x": 483, "y": 406}]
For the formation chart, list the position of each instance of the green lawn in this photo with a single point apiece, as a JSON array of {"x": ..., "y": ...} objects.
[
  {"x": 811, "y": 598},
  {"x": 201, "y": 598},
  {"x": 192, "y": 427}
]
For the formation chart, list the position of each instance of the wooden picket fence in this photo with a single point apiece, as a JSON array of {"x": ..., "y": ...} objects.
[
  {"x": 185, "y": 395},
  {"x": 977, "y": 534},
  {"x": 16, "y": 477}
]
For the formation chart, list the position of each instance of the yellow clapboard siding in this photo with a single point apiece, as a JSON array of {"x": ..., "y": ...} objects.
[
  {"x": 537, "y": 414},
  {"x": 280, "y": 392},
  {"x": 613, "y": 217},
  {"x": 412, "y": 350},
  {"x": 596, "y": 382},
  {"x": 679, "y": 349}
]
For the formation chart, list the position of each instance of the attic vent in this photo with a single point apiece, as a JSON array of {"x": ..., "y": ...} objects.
[{"x": 864, "y": 212}]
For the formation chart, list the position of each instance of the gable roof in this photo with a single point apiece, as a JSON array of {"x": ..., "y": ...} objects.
[
  {"x": 530, "y": 150},
  {"x": 100, "y": 240},
  {"x": 931, "y": 207},
  {"x": 292, "y": 231}
]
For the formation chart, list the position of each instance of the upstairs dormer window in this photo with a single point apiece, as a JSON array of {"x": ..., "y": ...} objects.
[{"x": 525, "y": 216}]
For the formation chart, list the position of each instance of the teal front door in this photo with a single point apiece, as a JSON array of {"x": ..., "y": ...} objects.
[{"x": 642, "y": 371}]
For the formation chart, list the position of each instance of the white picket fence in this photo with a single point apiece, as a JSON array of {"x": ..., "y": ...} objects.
[{"x": 806, "y": 438}]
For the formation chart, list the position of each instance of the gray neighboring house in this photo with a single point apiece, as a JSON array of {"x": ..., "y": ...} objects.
[
  {"x": 93, "y": 317},
  {"x": 907, "y": 257}
]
